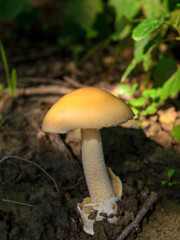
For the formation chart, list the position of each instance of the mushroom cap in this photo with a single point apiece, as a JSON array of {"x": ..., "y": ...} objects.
[{"x": 85, "y": 108}]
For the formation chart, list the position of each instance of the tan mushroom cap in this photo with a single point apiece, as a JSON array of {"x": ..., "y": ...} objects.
[{"x": 85, "y": 108}]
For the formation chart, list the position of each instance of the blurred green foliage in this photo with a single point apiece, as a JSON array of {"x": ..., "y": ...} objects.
[
  {"x": 169, "y": 182},
  {"x": 11, "y": 78},
  {"x": 176, "y": 132},
  {"x": 85, "y": 26}
]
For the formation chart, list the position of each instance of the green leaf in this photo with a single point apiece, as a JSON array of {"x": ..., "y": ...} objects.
[
  {"x": 91, "y": 33},
  {"x": 129, "y": 69},
  {"x": 137, "y": 102},
  {"x": 171, "y": 173},
  {"x": 153, "y": 8},
  {"x": 171, "y": 87},
  {"x": 125, "y": 90},
  {"x": 139, "y": 48},
  {"x": 127, "y": 8},
  {"x": 145, "y": 27},
  {"x": 135, "y": 110},
  {"x": 176, "y": 132},
  {"x": 163, "y": 70},
  {"x": 1, "y": 86},
  {"x": 163, "y": 182},
  {"x": 152, "y": 93},
  {"x": 173, "y": 183},
  {"x": 150, "y": 110},
  {"x": 84, "y": 12},
  {"x": 135, "y": 86},
  {"x": 5, "y": 63},
  {"x": 1, "y": 116},
  {"x": 77, "y": 49},
  {"x": 13, "y": 80},
  {"x": 174, "y": 20},
  {"x": 138, "y": 56}
]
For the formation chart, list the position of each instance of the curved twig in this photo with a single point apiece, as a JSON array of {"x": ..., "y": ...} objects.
[
  {"x": 147, "y": 205},
  {"x": 35, "y": 164}
]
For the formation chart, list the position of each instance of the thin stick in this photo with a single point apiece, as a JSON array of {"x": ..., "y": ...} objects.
[
  {"x": 147, "y": 205},
  {"x": 24, "y": 204},
  {"x": 42, "y": 90},
  {"x": 35, "y": 164}
]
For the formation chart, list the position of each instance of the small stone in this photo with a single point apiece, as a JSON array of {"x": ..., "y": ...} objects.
[
  {"x": 153, "y": 129},
  {"x": 163, "y": 138},
  {"x": 167, "y": 126},
  {"x": 40, "y": 135},
  {"x": 168, "y": 115},
  {"x": 145, "y": 124}
]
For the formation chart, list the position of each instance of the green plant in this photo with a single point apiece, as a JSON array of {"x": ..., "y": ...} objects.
[
  {"x": 176, "y": 132},
  {"x": 10, "y": 78},
  {"x": 150, "y": 99},
  {"x": 159, "y": 18},
  {"x": 170, "y": 174}
]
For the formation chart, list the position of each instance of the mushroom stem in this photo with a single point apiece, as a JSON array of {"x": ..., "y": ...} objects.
[{"x": 98, "y": 182}]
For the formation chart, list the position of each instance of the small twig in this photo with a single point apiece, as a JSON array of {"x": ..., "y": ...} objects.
[
  {"x": 147, "y": 205},
  {"x": 42, "y": 90},
  {"x": 24, "y": 204},
  {"x": 73, "y": 82},
  {"x": 35, "y": 164},
  {"x": 29, "y": 81}
]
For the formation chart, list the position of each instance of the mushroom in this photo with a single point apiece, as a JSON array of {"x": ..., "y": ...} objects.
[{"x": 91, "y": 109}]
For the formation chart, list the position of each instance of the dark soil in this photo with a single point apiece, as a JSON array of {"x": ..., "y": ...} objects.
[{"x": 140, "y": 162}]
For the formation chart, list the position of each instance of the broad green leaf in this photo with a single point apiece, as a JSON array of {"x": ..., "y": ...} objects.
[
  {"x": 163, "y": 70},
  {"x": 1, "y": 116},
  {"x": 137, "y": 102},
  {"x": 171, "y": 87},
  {"x": 145, "y": 27},
  {"x": 127, "y": 8},
  {"x": 171, "y": 173},
  {"x": 150, "y": 110},
  {"x": 153, "y": 8},
  {"x": 176, "y": 132},
  {"x": 84, "y": 12}
]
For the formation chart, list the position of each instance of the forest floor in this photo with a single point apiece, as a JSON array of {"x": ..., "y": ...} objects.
[{"x": 140, "y": 155}]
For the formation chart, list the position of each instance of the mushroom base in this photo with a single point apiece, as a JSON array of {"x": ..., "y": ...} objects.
[{"x": 107, "y": 209}]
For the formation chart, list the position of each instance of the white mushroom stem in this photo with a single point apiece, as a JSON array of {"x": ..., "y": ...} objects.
[{"x": 97, "y": 178}]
